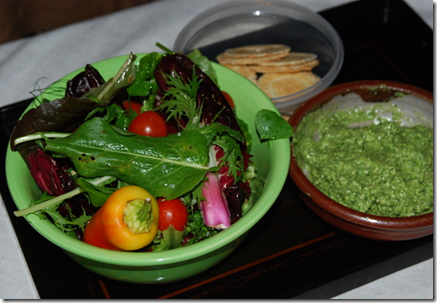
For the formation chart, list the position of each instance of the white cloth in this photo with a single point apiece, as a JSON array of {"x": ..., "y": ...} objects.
[{"x": 46, "y": 57}]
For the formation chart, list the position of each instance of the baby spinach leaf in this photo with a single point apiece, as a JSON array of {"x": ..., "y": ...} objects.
[
  {"x": 166, "y": 166},
  {"x": 145, "y": 84},
  {"x": 271, "y": 126}
]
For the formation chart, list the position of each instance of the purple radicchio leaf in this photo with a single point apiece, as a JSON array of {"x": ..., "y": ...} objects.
[
  {"x": 83, "y": 82},
  {"x": 48, "y": 174},
  {"x": 60, "y": 115},
  {"x": 209, "y": 96}
]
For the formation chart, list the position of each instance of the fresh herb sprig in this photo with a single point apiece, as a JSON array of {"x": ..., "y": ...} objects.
[{"x": 180, "y": 100}]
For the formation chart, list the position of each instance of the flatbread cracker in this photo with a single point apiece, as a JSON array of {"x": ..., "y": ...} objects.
[
  {"x": 258, "y": 51},
  {"x": 294, "y": 68},
  {"x": 272, "y": 67},
  {"x": 279, "y": 85},
  {"x": 244, "y": 70},
  {"x": 223, "y": 59},
  {"x": 292, "y": 58}
]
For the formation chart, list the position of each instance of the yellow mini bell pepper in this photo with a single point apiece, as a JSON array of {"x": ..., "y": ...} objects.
[{"x": 128, "y": 220}]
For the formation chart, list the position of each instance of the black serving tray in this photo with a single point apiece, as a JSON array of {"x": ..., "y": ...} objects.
[{"x": 290, "y": 253}]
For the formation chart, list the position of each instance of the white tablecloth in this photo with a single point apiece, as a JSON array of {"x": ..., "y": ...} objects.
[{"x": 51, "y": 55}]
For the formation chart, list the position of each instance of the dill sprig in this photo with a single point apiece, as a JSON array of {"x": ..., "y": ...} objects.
[{"x": 180, "y": 99}]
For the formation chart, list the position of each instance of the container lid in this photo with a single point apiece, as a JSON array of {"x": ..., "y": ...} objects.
[{"x": 249, "y": 22}]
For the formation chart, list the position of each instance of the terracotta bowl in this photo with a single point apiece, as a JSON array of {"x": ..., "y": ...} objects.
[{"x": 342, "y": 217}]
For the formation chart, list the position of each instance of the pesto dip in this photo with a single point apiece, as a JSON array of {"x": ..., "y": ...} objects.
[{"x": 383, "y": 169}]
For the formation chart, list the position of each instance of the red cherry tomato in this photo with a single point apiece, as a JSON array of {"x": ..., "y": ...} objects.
[
  {"x": 172, "y": 212},
  {"x": 229, "y": 98},
  {"x": 148, "y": 123},
  {"x": 132, "y": 105}
]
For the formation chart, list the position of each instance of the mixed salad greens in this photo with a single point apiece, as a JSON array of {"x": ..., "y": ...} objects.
[{"x": 81, "y": 149}]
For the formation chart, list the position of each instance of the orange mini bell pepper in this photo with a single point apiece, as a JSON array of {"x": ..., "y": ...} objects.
[{"x": 128, "y": 220}]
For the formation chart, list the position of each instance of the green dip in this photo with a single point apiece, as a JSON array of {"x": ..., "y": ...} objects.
[{"x": 383, "y": 168}]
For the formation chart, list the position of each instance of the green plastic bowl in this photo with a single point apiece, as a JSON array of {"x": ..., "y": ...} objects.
[{"x": 271, "y": 158}]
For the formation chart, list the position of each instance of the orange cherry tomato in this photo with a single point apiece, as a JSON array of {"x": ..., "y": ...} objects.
[
  {"x": 149, "y": 123},
  {"x": 172, "y": 212},
  {"x": 132, "y": 105},
  {"x": 229, "y": 99}
]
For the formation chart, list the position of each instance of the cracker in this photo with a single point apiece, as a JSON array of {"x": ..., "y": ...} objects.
[
  {"x": 244, "y": 70},
  {"x": 279, "y": 85},
  {"x": 258, "y": 51},
  {"x": 272, "y": 67},
  {"x": 294, "y": 68},
  {"x": 223, "y": 59},
  {"x": 292, "y": 58}
]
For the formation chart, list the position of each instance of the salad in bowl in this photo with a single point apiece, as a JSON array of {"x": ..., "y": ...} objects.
[{"x": 152, "y": 159}]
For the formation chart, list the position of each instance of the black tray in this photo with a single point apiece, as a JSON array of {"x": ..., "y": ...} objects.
[{"x": 290, "y": 253}]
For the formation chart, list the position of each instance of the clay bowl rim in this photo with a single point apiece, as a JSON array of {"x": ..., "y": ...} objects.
[{"x": 331, "y": 206}]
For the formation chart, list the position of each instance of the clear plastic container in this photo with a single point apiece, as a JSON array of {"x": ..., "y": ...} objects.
[{"x": 248, "y": 22}]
